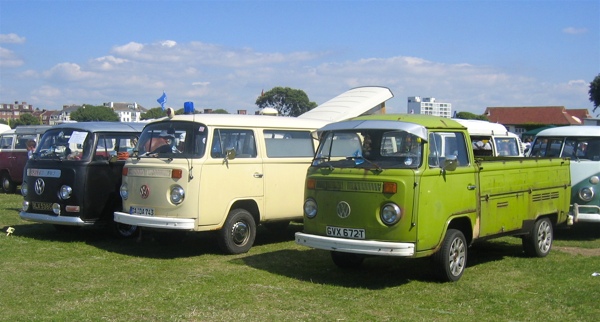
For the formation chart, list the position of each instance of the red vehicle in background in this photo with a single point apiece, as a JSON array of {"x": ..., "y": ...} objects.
[{"x": 14, "y": 153}]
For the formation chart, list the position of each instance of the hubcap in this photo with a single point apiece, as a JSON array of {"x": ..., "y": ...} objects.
[
  {"x": 544, "y": 237},
  {"x": 240, "y": 233},
  {"x": 457, "y": 257}
]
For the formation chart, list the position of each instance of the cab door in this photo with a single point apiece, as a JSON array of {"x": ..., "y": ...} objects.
[
  {"x": 444, "y": 193},
  {"x": 228, "y": 177}
]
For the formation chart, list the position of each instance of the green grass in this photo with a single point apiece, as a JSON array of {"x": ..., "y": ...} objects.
[{"x": 88, "y": 275}]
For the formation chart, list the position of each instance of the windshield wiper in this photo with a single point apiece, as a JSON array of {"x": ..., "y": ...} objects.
[
  {"x": 323, "y": 161},
  {"x": 358, "y": 160}
]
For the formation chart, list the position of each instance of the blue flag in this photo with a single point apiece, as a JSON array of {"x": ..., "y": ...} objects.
[{"x": 162, "y": 100}]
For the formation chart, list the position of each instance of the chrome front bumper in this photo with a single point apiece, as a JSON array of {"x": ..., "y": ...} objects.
[{"x": 367, "y": 247}]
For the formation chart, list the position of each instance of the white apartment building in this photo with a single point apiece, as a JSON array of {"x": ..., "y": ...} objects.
[
  {"x": 128, "y": 112},
  {"x": 428, "y": 105}
]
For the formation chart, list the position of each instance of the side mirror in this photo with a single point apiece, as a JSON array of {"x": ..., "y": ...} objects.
[
  {"x": 450, "y": 163},
  {"x": 230, "y": 154}
]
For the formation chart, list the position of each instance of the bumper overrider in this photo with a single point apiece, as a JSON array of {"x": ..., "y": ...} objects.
[
  {"x": 367, "y": 247},
  {"x": 155, "y": 222},
  {"x": 586, "y": 216}
]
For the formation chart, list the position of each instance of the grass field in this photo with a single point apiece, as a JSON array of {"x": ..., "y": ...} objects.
[{"x": 90, "y": 276}]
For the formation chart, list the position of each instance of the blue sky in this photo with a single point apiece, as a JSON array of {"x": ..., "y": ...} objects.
[{"x": 222, "y": 54}]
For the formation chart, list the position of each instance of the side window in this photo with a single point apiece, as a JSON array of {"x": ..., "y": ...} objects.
[
  {"x": 288, "y": 144},
  {"x": 447, "y": 144},
  {"x": 242, "y": 141},
  {"x": 6, "y": 142}
]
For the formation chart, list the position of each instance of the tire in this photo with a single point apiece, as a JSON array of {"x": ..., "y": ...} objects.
[
  {"x": 450, "y": 261},
  {"x": 539, "y": 240},
  {"x": 123, "y": 230},
  {"x": 238, "y": 233},
  {"x": 347, "y": 260},
  {"x": 8, "y": 186}
]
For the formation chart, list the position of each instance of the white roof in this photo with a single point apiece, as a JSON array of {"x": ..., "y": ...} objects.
[
  {"x": 237, "y": 120},
  {"x": 575, "y": 130},
  {"x": 480, "y": 127},
  {"x": 352, "y": 103},
  {"x": 4, "y": 128}
]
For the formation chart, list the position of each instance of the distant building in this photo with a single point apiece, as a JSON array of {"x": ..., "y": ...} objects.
[
  {"x": 428, "y": 106},
  {"x": 13, "y": 111},
  {"x": 128, "y": 112},
  {"x": 64, "y": 115},
  {"x": 521, "y": 118}
]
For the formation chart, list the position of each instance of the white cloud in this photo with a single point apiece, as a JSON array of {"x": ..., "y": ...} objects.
[
  {"x": 8, "y": 59},
  {"x": 574, "y": 30},
  {"x": 214, "y": 76},
  {"x": 11, "y": 39}
]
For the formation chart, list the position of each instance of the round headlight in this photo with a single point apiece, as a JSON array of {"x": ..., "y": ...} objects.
[
  {"x": 65, "y": 192},
  {"x": 390, "y": 214},
  {"x": 586, "y": 194},
  {"x": 310, "y": 208},
  {"x": 24, "y": 189},
  {"x": 177, "y": 194},
  {"x": 124, "y": 192}
]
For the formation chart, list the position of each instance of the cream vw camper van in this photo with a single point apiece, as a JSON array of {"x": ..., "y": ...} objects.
[{"x": 229, "y": 173}]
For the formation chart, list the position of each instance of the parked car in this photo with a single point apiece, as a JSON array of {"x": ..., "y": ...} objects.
[
  {"x": 228, "y": 173},
  {"x": 582, "y": 145},
  {"x": 74, "y": 176},
  {"x": 14, "y": 153},
  {"x": 410, "y": 186}
]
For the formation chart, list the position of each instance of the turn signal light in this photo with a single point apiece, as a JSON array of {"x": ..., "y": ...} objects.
[
  {"x": 311, "y": 184},
  {"x": 125, "y": 171},
  {"x": 176, "y": 173},
  {"x": 390, "y": 187}
]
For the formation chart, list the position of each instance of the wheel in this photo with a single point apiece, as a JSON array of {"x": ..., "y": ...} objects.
[
  {"x": 124, "y": 230},
  {"x": 450, "y": 261},
  {"x": 277, "y": 227},
  {"x": 347, "y": 260},
  {"x": 238, "y": 232},
  {"x": 539, "y": 240},
  {"x": 8, "y": 186}
]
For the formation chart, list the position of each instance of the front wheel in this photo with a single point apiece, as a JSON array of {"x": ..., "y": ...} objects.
[
  {"x": 238, "y": 232},
  {"x": 124, "y": 230},
  {"x": 8, "y": 186},
  {"x": 539, "y": 240},
  {"x": 450, "y": 261}
]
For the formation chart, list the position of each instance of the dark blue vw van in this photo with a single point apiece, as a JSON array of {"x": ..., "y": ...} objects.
[{"x": 74, "y": 175}]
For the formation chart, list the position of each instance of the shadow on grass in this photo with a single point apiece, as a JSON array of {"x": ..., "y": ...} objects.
[
  {"x": 578, "y": 232},
  {"x": 162, "y": 244},
  {"x": 376, "y": 272}
]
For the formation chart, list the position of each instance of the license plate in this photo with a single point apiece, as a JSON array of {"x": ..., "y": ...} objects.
[
  {"x": 46, "y": 206},
  {"x": 141, "y": 211},
  {"x": 346, "y": 232}
]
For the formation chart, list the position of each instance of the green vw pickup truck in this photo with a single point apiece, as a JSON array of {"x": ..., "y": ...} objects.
[{"x": 409, "y": 185}]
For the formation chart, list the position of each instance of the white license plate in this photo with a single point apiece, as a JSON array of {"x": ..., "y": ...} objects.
[
  {"x": 141, "y": 211},
  {"x": 345, "y": 232}
]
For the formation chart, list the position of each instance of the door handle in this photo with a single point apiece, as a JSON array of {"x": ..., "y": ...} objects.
[
  {"x": 258, "y": 175},
  {"x": 471, "y": 187}
]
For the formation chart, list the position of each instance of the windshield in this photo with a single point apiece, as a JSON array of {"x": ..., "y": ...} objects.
[
  {"x": 583, "y": 148},
  {"x": 65, "y": 144},
  {"x": 75, "y": 145},
  {"x": 173, "y": 140},
  {"x": 369, "y": 149}
]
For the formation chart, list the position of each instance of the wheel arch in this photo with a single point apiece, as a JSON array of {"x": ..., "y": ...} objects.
[
  {"x": 249, "y": 205},
  {"x": 464, "y": 225}
]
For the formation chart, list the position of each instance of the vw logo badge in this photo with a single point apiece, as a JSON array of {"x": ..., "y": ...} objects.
[
  {"x": 343, "y": 209},
  {"x": 39, "y": 186},
  {"x": 144, "y": 191}
]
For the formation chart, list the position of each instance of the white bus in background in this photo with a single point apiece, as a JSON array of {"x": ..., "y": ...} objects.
[
  {"x": 492, "y": 139},
  {"x": 582, "y": 144}
]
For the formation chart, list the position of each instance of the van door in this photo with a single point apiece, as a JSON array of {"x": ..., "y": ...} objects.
[
  {"x": 444, "y": 193},
  {"x": 224, "y": 181},
  {"x": 288, "y": 156}
]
